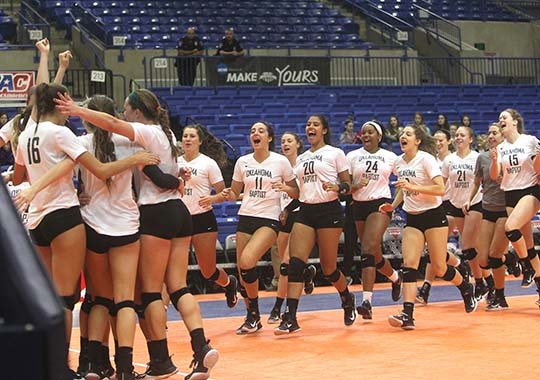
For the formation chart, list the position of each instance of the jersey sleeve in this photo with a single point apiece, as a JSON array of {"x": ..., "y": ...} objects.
[
  {"x": 6, "y": 132},
  {"x": 342, "y": 164},
  {"x": 69, "y": 144},
  {"x": 445, "y": 169},
  {"x": 214, "y": 172},
  {"x": 19, "y": 156},
  {"x": 431, "y": 166},
  {"x": 350, "y": 158},
  {"x": 142, "y": 133},
  {"x": 238, "y": 174}
]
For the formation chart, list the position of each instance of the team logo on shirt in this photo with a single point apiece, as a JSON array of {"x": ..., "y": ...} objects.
[{"x": 461, "y": 171}]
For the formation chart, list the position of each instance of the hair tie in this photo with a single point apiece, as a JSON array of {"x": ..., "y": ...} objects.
[{"x": 374, "y": 125}]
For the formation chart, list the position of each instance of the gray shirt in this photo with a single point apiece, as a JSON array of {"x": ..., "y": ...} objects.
[{"x": 493, "y": 196}]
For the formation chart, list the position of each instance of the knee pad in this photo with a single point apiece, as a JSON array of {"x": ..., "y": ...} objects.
[
  {"x": 296, "y": 270},
  {"x": 495, "y": 262},
  {"x": 284, "y": 269},
  {"x": 410, "y": 274},
  {"x": 105, "y": 302},
  {"x": 70, "y": 301},
  {"x": 380, "y": 264},
  {"x": 450, "y": 273},
  {"x": 249, "y": 275},
  {"x": 122, "y": 305},
  {"x": 513, "y": 235},
  {"x": 147, "y": 299},
  {"x": 367, "y": 261},
  {"x": 469, "y": 254},
  {"x": 214, "y": 276},
  {"x": 175, "y": 296},
  {"x": 333, "y": 277},
  {"x": 531, "y": 253},
  {"x": 243, "y": 291},
  {"x": 86, "y": 306}
]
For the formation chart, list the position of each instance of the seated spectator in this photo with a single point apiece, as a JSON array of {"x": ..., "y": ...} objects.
[
  {"x": 190, "y": 46},
  {"x": 418, "y": 120},
  {"x": 393, "y": 129},
  {"x": 442, "y": 123},
  {"x": 230, "y": 45},
  {"x": 466, "y": 121},
  {"x": 453, "y": 128},
  {"x": 348, "y": 136}
]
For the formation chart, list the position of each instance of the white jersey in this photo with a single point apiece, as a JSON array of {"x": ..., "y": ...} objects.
[
  {"x": 446, "y": 195},
  {"x": 204, "y": 173},
  {"x": 13, "y": 192},
  {"x": 315, "y": 168},
  {"x": 419, "y": 171},
  {"x": 40, "y": 148},
  {"x": 517, "y": 161},
  {"x": 377, "y": 167},
  {"x": 112, "y": 209},
  {"x": 7, "y": 131},
  {"x": 459, "y": 173},
  {"x": 152, "y": 138},
  {"x": 260, "y": 200}
]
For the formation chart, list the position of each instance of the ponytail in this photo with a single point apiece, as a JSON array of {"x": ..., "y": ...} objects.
[
  {"x": 163, "y": 120},
  {"x": 19, "y": 124}
]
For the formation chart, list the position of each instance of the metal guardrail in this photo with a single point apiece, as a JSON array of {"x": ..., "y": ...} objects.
[
  {"x": 32, "y": 26},
  {"x": 160, "y": 71},
  {"x": 441, "y": 27}
]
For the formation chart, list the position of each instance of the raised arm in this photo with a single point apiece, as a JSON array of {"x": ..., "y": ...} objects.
[
  {"x": 63, "y": 64},
  {"x": 68, "y": 107},
  {"x": 43, "y": 70},
  {"x": 107, "y": 170},
  {"x": 494, "y": 167}
]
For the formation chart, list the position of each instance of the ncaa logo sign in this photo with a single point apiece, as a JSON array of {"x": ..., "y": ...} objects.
[
  {"x": 222, "y": 68},
  {"x": 15, "y": 85}
]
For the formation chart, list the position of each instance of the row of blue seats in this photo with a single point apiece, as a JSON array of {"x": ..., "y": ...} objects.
[{"x": 223, "y": 5}]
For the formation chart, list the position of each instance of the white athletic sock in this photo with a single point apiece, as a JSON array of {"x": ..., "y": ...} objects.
[
  {"x": 367, "y": 296},
  {"x": 394, "y": 276}
]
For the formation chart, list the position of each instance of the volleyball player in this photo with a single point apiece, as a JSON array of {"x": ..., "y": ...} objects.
[
  {"x": 492, "y": 242},
  {"x": 165, "y": 229},
  {"x": 54, "y": 218},
  {"x": 202, "y": 152},
  {"x": 323, "y": 173},
  {"x": 291, "y": 146},
  {"x": 371, "y": 167},
  {"x": 517, "y": 160},
  {"x": 262, "y": 174},
  {"x": 443, "y": 144},
  {"x": 458, "y": 173},
  {"x": 420, "y": 187}
]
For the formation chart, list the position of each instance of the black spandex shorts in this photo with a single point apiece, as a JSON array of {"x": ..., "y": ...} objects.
[
  {"x": 452, "y": 210},
  {"x": 321, "y": 215},
  {"x": 250, "y": 224},
  {"x": 99, "y": 243},
  {"x": 166, "y": 220},
  {"x": 205, "y": 222},
  {"x": 493, "y": 216},
  {"x": 361, "y": 210},
  {"x": 54, "y": 224},
  {"x": 512, "y": 197},
  {"x": 432, "y": 218},
  {"x": 446, "y": 206},
  {"x": 291, "y": 218}
]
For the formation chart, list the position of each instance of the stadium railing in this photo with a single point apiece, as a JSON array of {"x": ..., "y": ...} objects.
[
  {"x": 161, "y": 71},
  {"x": 32, "y": 26},
  {"x": 443, "y": 29}
]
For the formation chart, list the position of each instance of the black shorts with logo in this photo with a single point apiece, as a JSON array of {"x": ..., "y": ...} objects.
[
  {"x": 291, "y": 218},
  {"x": 100, "y": 243},
  {"x": 54, "y": 224},
  {"x": 452, "y": 210},
  {"x": 321, "y": 215},
  {"x": 205, "y": 222},
  {"x": 361, "y": 210},
  {"x": 250, "y": 224},
  {"x": 432, "y": 218},
  {"x": 166, "y": 220},
  {"x": 493, "y": 216},
  {"x": 512, "y": 197}
]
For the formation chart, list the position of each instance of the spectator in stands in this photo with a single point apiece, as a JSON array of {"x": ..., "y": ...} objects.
[
  {"x": 466, "y": 121},
  {"x": 3, "y": 119},
  {"x": 418, "y": 120},
  {"x": 230, "y": 47},
  {"x": 393, "y": 129},
  {"x": 453, "y": 128},
  {"x": 189, "y": 50},
  {"x": 348, "y": 136},
  {"x": 481, "y": 142},
  {"x": 442, "y": 123}
]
